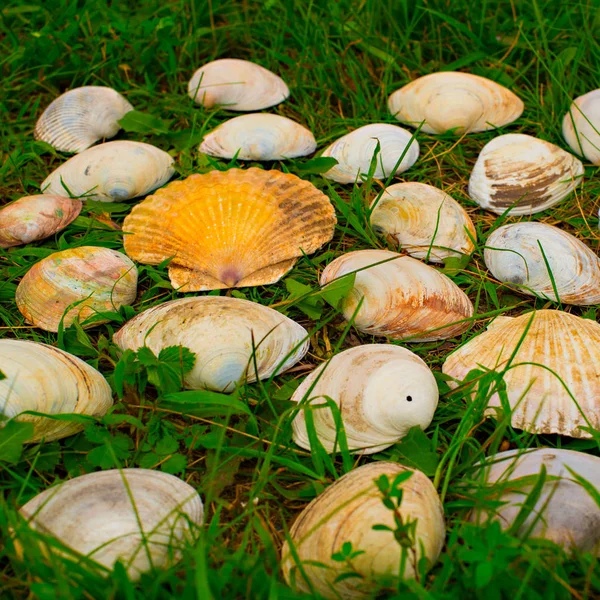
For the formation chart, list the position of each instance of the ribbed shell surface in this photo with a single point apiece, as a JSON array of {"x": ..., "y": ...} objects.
[{"x": 581, "y": 126}]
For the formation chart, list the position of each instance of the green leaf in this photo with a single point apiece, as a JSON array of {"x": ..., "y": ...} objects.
[
  {"x": 2, "y": 376},
  {"x": 338, "y": 290},
  {"x": 178, "y": 357},
  {"x": 136, "y": 121},
  {"x": 206, "y": 398},
  {"x": 175, "y": 464},
  {"x": 415, "y": 448},
  {"x": 483, "y": 573},
  {"x": 167, "y": 445},
  {"x": 321, "y": 164},
  {"x": 305, "y": 298},
  {"x": 12, "y": 437}
]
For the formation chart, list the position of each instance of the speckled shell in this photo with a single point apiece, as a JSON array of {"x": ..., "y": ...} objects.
[
  {"x": 81, "y": 117},
  {"x": 426, "y": 222},
  {"x": 138, "y": 516},
  {"x": 236, "y": 84},
  {"x": 565, "y": 512},
  {"x": 581, "y": 126},
  {"x": 232, "y": 228},
  {"x": 524, "y": 171},
  {"x": 455, "y": 101},
  {"x": 556, "y": 344},
  {"x": 381, "y": 390},
  {"x": 33, "y": 218},
  {"x": 223, "y": 333},
  {"x": 45, "y": 379},
  {"x": 98, "y": 279},
  {"x": 346, "y": 512},
  {"x": 259, "y": 136},
  {"x": 354, "y": 152},
  {"x": 513, "y": 254},
  {"x": 402, "y": 298},
  {"x": 111, "y": 172}
]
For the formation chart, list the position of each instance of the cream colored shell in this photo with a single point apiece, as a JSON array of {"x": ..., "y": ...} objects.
[
  {"x": 234, "y": 340},
  {"x": 581, "y": 126},
  {"x": 45, "y": 379},
  {"x": 522, "y": 172},
  {"x": 346, "y": 512},
  {"x": 455, "y": 101},
  {"x": 401, "y": 297},
  {"x": 426, "y": 222}
]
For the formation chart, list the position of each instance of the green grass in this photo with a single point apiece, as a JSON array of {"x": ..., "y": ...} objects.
[{"x": 341, "y": 61}]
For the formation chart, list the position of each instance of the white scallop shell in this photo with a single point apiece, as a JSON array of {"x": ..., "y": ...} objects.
[
  {"x": 80, "y": 117},
  {"x": 111, "y": 172},
  {"x": 581, "y": 126},
  {"x": 355, "y": 150},
  {"x": 236, "y": 84}
]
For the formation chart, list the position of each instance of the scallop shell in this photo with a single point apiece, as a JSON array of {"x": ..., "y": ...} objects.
[
  {"x": 97, "y": 279},
  {"x": 111, "y": 172},
  {"x": 565, "y": 511},
  {"x": 33, "y": 218},
  {"x": 347, "y": 511},
  {"x": 401, "y": 297},
  {"x": 232, "y": 228},
  {"x": 141, "y": 517},
  {"x": 539, "y": 258},
  {"x": 259, "y": 137},
  {"x": 233, "y": 339},
  {"x": 455, "y": 101},
  {"x": 553, "y": 345},
  {"x": 581, "y": 126},
  {"x": 426, "y": 222},
  {"x": 80, "y": 117},
  {"x": 381, "y": 390},
  {"x": 524, "y": 172},
  {"x": 45, "y": 379},
  {"x": 354, "y": 152},
  {"x": 236, "y": 84}
]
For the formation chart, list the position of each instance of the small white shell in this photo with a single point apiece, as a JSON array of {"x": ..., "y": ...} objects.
[
  {"x": 236, "y": 84},
  {"x": 259, "y": 136},
  {"x": 354, "y": 152},
  {"x": 581, "y": 126},
  {"x": 524, "y": 172},
  {"x": 112, "y": 172},
  {"x": 513, "y": 254},
  {"x": 426, "y": 222},
  {"x": 81, "y": 117}
]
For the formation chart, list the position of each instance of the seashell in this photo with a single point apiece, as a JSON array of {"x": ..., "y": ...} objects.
[
  {"x": 33, "y": 218},
  {"x": 141, "y": 517},
  {"x": 513, "y": 254},
  {"x": 547, "y": 345},
  {"x": 401, "y": 297},
  {"x": 565, "y": 511},
  {"x": 522, "y": 172},
  {"x": 581, "y": 126},
  {"x": 381, "y": 390},
  {"x": 426, "y": 222},
  {"x": 111, "y": 172},
  {"x": 232, "y": 228},
  {"x": 347, "y": 511},
  {"x": 259, "y": 136},
  {"x": 354, "y": 152},
  {"x": 233, "y": 339},
  {"x": 80, "y": 117},
  {"x": 97, "y": 279},
  {"x": 45, "y": 379},
  {"x": 455, "y": 101},
  {"x": 236, "y": 84}
]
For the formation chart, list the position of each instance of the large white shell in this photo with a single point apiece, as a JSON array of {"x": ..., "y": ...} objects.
[
  {"x": 141, "y": 517},
  {"x": 381, "y": 390},
  {"x": 565, "y": 511},
  {"x": 81, "y": 117},
  {"x": 354, "y": 152},
  {"x": 236, "y": 84},
  {"x": 224, "y": 333},
  {"x": 111, "y": 172},
  {"x": 540, "y": 258},
  {"x": 45, "y": 379},
  {"x": 347, "y": 512},
  {"x": 259, "y": 136},
  {"x": 453, "y": 100},
  {"x": 524, "y": 172},
  {"x": 402, "y": 297},
  {"x": 581, "y": 126},
  {"x": 426, "y": 222}
]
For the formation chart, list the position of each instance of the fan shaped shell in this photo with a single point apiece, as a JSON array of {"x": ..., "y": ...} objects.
[
  {"x": 581, "y": 126},
  {"x": 232, "y": 228}
]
